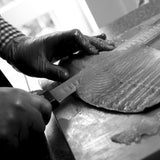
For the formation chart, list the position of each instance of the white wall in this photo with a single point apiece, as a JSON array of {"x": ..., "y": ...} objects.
[{"x": 106, "y": 11}]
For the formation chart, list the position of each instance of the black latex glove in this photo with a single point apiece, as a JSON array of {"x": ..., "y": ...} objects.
[
  {"x": 23, "y": 117},
  {"x": 35, "y": 56}
]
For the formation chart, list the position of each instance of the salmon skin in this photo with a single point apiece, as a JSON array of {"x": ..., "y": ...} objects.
[{"x": 129, "y": 82}]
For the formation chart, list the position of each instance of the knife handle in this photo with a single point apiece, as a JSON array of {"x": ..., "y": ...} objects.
[
  {"x": 48, "y": 96},
  {"x": 51, "y": 99}
]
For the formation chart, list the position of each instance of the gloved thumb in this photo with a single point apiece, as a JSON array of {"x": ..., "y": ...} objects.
[{"x": 55, "y": 72}]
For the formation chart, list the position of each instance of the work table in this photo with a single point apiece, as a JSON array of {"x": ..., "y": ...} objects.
[{"x": 88, "y": 130}]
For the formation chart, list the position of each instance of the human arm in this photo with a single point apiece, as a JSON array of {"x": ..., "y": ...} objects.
[
  {"x": 23, "y": 116},
  {"x": 34, "y": 56}
]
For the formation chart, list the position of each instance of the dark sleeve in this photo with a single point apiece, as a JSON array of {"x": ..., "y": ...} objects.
[{"x": 7, "y": 33}]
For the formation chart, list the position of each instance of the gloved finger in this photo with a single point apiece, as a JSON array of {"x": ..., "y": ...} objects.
[
  {"x": 72, "y": 41},
  {"x": 101, "y": 36},
  {"x": 55, "y": 73},
  {"x": 100, "y": 44},
  {"x": 83, "y": 43}
]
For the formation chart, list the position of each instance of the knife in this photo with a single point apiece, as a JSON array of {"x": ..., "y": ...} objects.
[
  {"x": 65, "y": 89},
  {"x": 61, "y": 92}
]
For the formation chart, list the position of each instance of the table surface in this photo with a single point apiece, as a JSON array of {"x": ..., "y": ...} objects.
[{"x": 88, "y": 130}]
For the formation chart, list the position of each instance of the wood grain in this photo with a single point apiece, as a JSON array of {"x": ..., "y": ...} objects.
[{"x": 89, "y": 132}]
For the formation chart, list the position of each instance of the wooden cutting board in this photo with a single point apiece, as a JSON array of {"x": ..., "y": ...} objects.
[
  {"x": 98, "y": 134},
  {"x": 95, "y": 134},
  {"x": 91, "y": 131}
]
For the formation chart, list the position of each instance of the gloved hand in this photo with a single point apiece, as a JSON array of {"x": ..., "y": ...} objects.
[
  {"x": 23, "y": 117},
  {"x": 35, "y": 56}
]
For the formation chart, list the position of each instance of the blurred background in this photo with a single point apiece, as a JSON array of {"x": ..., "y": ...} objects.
[{"x": 40, "y": 17}]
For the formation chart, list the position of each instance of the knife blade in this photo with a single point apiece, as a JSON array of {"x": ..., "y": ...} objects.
[
  {"x": 63, "y": 90},
  {"x": 60, "y": 91}
]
